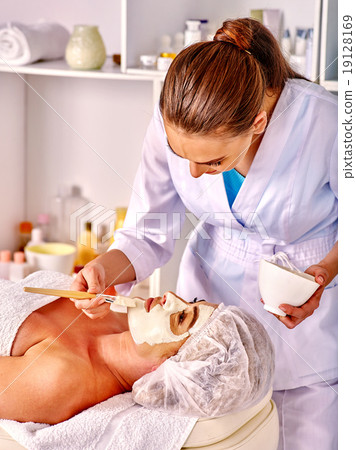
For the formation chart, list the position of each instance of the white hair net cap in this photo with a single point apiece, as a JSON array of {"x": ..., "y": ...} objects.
[{"x": 225, "y": 367}]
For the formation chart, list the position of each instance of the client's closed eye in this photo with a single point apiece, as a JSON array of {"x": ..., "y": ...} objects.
[
  {"x": 182, "y": 321},
  {"x": 181, "y": 317}
]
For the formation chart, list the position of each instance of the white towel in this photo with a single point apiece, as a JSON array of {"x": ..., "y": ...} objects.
[
  {"x": 22, "y": 44},
  {"x": 16, "y": 305},
  {"x": 117, "y": 423}
]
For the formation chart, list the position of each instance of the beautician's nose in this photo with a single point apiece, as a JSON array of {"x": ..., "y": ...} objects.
[{"x": 196, "y": 170}]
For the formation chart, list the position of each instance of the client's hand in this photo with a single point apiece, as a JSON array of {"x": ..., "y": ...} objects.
[{"x": 91, "y": 279}]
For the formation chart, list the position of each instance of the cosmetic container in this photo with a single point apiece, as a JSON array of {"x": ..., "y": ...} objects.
[
  {"x": 36, "y": 237},
  {"x": 148, "y": 62},
  {"x": 57, "y": 215},
  {"x": 25, "y": 229},
  {"x": 178, "y": 42},
  {"x": 204, "y": 29},
  {"x": 43, "y": 222},
  {"x": 286, "y": 44},
  {"x": 19, "y": 269},
  {"x": 309, "y": 54},
  {"x": 85, "y": 49},
  {"x": 300, "y": 42},
  {"x": 192, "y": 33},
  {"x": 5, "y": 260},
  {"x": 73, "y": 208}
]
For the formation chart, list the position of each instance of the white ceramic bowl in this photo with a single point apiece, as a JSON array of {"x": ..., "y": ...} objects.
[
  {"x": 55, "y": 256},
  {"x": 279, "y": 285}
]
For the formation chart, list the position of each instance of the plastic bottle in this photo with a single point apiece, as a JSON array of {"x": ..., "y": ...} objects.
[
  {"x": 165, "y": 48},
  {"x": 43, "y": 222},
  {"x": 300, "y": 42},
  {"x": 286, "y": 44},
  {"x": 5, "y": 260},
  {"x": 178, "y": 42},
  {"x": 212, "y": 27},
  {"x": 86, "y": 244},
  {"x": 19, "y": 269},
  {"x": 25, "y": 229},
  {"x": 57, "y": 215},
  {"x": 192, "y": 33},
  {"x": 36, "y": 237},
  {"x": 204, "y": 29},
  {"x": 309, "y": 54},
  {"x": 72, "y": 206}
]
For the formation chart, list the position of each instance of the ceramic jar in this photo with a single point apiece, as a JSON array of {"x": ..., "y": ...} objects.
[{"x": 85, "y": 49}]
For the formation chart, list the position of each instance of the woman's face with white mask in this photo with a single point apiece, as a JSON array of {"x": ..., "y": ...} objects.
[{"x": 167, "y": 319}]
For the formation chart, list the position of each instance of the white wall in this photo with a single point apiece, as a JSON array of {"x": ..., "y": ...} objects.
[
  {"x": 94, "y": 121},
  {"x": 105, "y": 14},
  {"x": 12, "y": 159}
]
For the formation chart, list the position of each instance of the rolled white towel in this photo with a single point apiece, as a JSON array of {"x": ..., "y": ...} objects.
[{"x": 22, "y": 44}]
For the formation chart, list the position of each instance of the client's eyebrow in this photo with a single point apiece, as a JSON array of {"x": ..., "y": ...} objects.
[{"x": 194, "y": 318}]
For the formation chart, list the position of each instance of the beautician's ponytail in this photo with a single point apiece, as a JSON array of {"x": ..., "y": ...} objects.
[{"x": 219, "y": 86}]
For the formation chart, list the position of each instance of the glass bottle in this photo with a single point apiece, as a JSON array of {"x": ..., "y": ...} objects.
[
  {"x": 86, "y": 246},
  {"x": 25, "y": 229},
  {"x": 120, "y": 218}
]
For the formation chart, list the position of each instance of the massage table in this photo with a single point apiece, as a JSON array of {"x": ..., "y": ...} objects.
[{"x": 253, "y": 429}]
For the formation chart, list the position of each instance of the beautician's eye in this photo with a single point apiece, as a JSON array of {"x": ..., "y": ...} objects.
[
  {"x": 181, "y": 317},
  {"x": 214, "y": 164}
]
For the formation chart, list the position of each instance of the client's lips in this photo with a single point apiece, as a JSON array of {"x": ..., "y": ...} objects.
[{"x": 148, "y": 304}]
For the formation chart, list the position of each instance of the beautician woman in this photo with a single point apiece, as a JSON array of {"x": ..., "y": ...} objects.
[{"x": 250, "y": 147}]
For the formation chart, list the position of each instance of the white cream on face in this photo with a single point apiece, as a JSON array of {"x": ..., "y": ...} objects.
[{"x": 154, "y": 327}]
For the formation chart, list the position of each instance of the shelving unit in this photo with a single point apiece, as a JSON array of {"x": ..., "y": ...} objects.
[
  {"x": 59, "y": 68},
  {"x": 329, "y": 46},
  {"x": 110, "y": 108}
]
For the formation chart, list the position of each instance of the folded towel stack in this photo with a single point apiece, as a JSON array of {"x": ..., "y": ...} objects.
[{"x": 22, "y": 44}]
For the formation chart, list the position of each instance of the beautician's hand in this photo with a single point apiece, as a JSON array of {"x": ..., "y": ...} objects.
[
  {"x": 296, "y": 315},
  {"x": 323, "y": 272},
  {"x": 91, "y": 279}
]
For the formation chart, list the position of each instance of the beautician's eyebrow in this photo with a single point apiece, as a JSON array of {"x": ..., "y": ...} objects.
[{"x": 207, "y": 162}]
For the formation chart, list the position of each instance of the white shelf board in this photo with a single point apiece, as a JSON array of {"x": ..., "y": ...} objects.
[
  {"x": 156, "y": 74},
  {"x": 59, "y": 68}
]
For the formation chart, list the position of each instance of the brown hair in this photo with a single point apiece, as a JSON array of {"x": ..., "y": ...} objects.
[{"x": 219, "y": 86}]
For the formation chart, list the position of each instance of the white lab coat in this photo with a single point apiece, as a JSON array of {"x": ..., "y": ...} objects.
[{"x": 288, "y": 202}]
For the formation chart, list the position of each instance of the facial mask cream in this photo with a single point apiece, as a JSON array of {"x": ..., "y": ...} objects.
[{"x": 154, "y": 327}]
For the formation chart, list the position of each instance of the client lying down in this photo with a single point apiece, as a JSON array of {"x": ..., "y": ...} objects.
[{"x": 173, "y": 355}]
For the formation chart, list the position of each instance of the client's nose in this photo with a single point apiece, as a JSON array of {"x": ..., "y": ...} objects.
[{"x": 163, "y": 300}]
